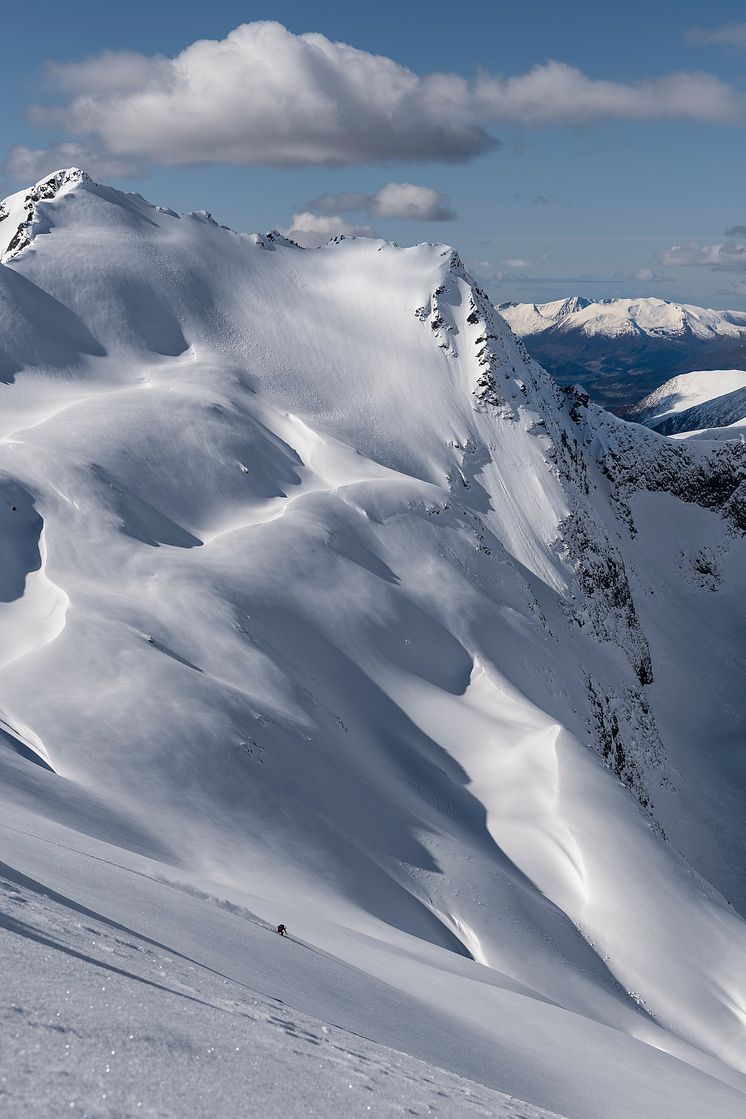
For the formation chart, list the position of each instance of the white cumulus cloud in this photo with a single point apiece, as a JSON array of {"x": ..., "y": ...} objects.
[
  {"x": 263, "y": 95},
  {"x": 311, "y": 230},
  {"x": 405, "y": 200}
]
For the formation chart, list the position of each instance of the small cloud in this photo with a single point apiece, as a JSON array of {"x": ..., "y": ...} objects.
[
  {"x": 517, "y": 262},
  {"x": 312, "y": 230},
  {"x": 405, "y": 200},
  {"x": 647, "y": 275},
  {"x": 394, "y": 200},
  {"x": 728, "y": 256},
  {"x": 28, "y": 165},
  {"x": 735, "y": 231},
  {"x": 728, "y": 35}
]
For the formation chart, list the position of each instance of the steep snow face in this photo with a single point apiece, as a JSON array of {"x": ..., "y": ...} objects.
[
  {"x": 620, "y": 348},
  {"x": 695, "y": 403},
  {"x": 322, "y": 602}
]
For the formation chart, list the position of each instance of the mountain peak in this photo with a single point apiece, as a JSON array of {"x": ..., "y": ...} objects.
[
  {"x": 561, "y": 307},
  {"x": 22, "y": 210}
]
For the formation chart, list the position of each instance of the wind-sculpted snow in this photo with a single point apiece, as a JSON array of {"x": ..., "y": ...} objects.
[{"x": 328, "y": 606}]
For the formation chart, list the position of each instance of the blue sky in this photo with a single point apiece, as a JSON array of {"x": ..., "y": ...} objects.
[{"x": 603, "y": 189}]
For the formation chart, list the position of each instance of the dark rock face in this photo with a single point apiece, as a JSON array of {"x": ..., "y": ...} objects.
[{"x": 604, "y": 461}]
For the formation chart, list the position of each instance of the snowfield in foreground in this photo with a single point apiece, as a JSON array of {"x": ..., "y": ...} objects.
[
  {"x": 119, "y": 1024},
  {"x": 321, "y": 603}
]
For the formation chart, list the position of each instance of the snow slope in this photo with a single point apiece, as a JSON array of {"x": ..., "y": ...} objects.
[
  {"x": 712, "y": 402},
  {"x": 622, "y": 348},
  {"x": 322, "y": 603}
]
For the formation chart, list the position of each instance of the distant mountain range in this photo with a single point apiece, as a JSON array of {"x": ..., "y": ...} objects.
[{"x": 622, "y": 349}]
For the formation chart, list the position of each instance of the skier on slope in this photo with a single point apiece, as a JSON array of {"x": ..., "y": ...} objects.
[{"x": 282, "y": 930}]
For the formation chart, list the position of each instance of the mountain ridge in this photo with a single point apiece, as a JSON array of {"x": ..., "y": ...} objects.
[{"x": 340, "y": 602}]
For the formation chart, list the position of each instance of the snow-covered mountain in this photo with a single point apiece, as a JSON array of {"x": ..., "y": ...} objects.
[
  {"x": 321, "y": 603},
  {"x": 621, "y": 349},
  {"x": 712, "y": 403}
]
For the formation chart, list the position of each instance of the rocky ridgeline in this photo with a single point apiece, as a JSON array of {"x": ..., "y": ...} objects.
[
  {"x": 46, "y": 190},
  {"x": 599, "y": 599}
]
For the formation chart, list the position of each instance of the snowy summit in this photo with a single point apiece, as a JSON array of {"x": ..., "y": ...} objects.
[{"x": 322, "y": 604}]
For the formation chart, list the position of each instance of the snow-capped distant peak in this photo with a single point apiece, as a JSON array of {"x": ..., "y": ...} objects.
[
  {"x": 622, "y": 348},
  {"x": 20, "y": 213},
  {"x": 560, "y": 308}
]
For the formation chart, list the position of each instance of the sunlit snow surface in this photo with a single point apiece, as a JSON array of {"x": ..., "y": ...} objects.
[
  {"x": 319, "y": 603},
  {"x": 121, "y": 1024},
  {"x": 709, "y": 403}
]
